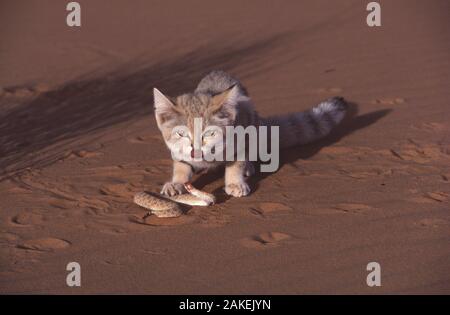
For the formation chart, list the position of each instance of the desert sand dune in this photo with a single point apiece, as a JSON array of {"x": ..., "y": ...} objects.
[{"x": 78, "y": 139}]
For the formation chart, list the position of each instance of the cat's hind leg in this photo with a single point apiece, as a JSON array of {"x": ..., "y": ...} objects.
[{"x": 249, "y": 169}]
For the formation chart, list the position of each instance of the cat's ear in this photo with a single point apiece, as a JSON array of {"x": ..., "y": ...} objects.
[
  {"x": 161, "y": 102},
  {"x": 165, "y": 109},
  {"x": 225, "y": 103}
]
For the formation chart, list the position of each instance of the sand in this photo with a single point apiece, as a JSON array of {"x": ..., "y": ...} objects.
[{"x": 78, "y": 139}]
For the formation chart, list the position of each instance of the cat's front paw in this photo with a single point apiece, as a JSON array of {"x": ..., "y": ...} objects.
[
  {"x": 172, "y": 189},
  {"x": 237, "y": 189}
]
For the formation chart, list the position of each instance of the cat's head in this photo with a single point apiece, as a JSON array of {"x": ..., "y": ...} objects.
[{"x": 198, "y": 115}]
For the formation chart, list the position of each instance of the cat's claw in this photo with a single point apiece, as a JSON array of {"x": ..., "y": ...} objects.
[
  {"x": 237, "y": 189},
  {"x": 172, "y": 189}
]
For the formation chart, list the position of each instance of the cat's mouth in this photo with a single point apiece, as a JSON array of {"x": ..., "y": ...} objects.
[{"x": 196, "y": 154}]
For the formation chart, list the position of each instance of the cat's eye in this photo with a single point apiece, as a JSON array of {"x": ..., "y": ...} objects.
[
  {"x": 209, "y": 133},
  {"x": 180, "y": 133}
]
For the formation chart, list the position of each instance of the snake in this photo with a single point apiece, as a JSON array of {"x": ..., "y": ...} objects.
[{"x": 169, "y": 206}]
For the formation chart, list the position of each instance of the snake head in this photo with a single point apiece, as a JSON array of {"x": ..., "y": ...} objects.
[{"x": 188, "y": 187}]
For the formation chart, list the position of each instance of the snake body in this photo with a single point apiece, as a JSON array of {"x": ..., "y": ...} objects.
[{"x": 169, "y": 206}]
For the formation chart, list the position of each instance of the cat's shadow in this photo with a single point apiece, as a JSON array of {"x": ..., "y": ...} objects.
[{"x": 352, "y": 123}]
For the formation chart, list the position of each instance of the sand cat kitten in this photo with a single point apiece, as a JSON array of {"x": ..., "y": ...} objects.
[{"x": 221, "y": 100}]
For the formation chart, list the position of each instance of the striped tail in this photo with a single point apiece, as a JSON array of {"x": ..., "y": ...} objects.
[{"x": 311, "y": 125}]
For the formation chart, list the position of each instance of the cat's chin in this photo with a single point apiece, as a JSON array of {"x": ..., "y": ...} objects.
[{"x": 199, "y": 166}]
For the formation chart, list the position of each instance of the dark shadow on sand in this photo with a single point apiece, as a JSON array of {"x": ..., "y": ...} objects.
[{"x": 100, "y": 100}]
